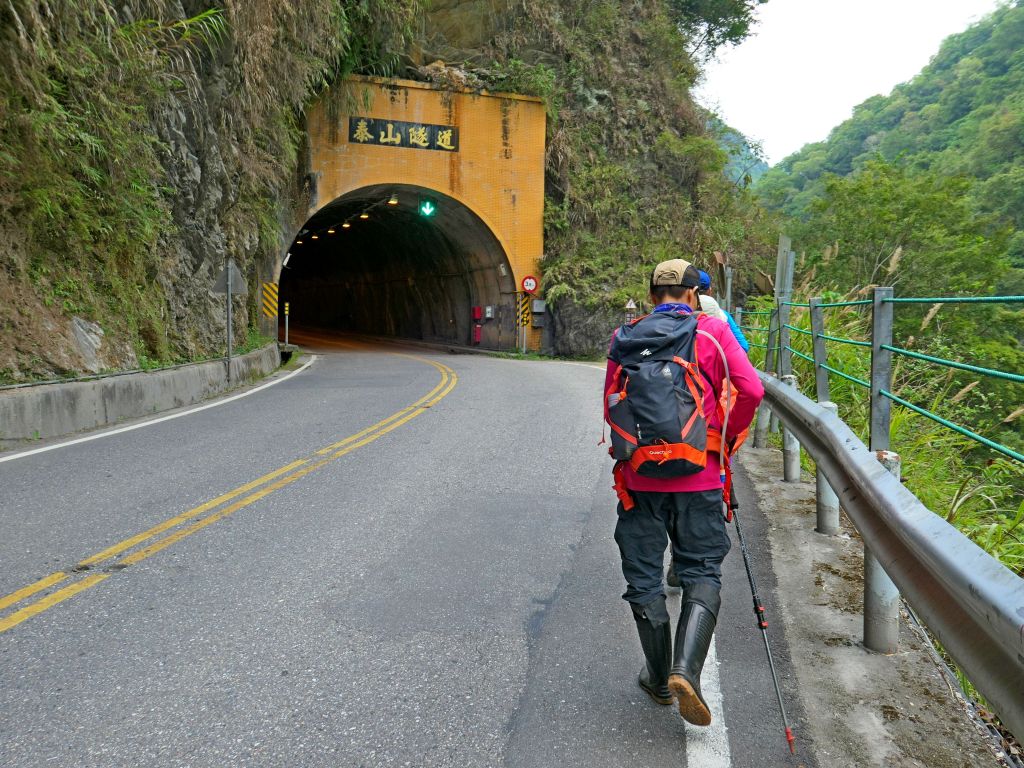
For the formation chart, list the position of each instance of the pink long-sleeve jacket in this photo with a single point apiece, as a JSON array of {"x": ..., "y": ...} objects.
[{"x": 746, "y": 392}]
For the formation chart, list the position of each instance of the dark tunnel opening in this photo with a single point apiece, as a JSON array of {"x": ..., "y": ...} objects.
[{"x": 405, "y": 262}]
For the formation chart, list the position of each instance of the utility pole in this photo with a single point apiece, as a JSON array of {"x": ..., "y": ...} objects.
[{"x": 227, "y": 309}]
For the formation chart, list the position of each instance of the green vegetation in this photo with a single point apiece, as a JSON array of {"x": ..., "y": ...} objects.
[
  {"x": 979, "y": 492},
  {"x": 711, "y": 24},
  {"x": 917, "y": 231},
  {"x": 962, "y": 118},
  {"x": 905, "y": 194},
  {"x": 921, "y": 190},
  {"x": 110, "y": 113},
  {"x": 140, "y": 148},
  {"x": 635, "y": 169},
  {"x": 79, "y": 174}
]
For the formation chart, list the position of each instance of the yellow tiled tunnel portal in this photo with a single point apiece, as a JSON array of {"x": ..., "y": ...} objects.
[{"x": 427, "y": 215}]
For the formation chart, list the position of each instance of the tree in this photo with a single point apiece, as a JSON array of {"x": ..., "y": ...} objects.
[
  {"x": 912, "y": 229},
  {"x": 710, "y": 24}
]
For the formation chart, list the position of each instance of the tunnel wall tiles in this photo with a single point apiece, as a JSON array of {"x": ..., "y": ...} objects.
[{"x": 497, "y": 170}]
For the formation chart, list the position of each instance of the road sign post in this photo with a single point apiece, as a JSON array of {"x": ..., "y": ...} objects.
[
  {"x": 231, "y": 283},
  {"x": 530, "y": 285},
  {"x": 630, "y": 311}
]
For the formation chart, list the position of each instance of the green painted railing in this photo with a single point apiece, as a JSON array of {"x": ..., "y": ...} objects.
[{"x": 881, "y": 388}]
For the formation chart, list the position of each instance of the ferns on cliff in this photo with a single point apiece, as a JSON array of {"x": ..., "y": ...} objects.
[
  {"x": 632, "y": 175},
  {"x": 85, "y": 197}
]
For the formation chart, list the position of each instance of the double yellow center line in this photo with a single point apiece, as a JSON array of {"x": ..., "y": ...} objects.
[{"x": 147, "y": 543}]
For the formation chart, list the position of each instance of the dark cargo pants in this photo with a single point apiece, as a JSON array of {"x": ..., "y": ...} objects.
[{"x": 692, "y": 521}]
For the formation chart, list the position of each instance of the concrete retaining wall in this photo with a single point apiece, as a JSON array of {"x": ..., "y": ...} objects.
[{"x": 50, "y": 410}]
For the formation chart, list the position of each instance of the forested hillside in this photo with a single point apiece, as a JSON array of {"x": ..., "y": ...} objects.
[
  {"x": 962, "y": 116},
  {"x": 923, "y": 190}
]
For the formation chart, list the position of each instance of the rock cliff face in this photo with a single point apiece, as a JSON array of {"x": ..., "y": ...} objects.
[
  {"x": 144, "y": 143},
  {"x": 461, "y": 31},
  {"x": 195, "y": 155}
]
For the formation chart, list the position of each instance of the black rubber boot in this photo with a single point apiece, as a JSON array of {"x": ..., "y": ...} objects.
[
  {"x": 655, "y": 630},
  {"x": 693, "y": 639}
]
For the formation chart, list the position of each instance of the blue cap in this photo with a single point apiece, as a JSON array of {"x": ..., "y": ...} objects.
[{"x": 705, "y": 280}]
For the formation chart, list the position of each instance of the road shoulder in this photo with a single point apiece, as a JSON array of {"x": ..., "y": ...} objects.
[{"x": 863, "y": 709}]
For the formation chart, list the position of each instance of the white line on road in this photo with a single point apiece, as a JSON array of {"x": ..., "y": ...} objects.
[
  {"x": 709, "y": 747},
  {"x": 151, "y": 422}
]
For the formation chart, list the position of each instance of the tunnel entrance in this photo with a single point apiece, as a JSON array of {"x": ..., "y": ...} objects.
[{"x": 403, "y": 261}]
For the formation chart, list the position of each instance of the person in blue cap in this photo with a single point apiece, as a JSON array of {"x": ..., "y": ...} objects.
[{"x": 711, "y": 307}]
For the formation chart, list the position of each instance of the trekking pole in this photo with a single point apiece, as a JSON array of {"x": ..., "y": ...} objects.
[{"x": 762, "y": 622}]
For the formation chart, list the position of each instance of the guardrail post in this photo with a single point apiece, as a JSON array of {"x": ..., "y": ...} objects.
[
  {"x": 827, "y": 501},
  {"x": 881, "y": 597},
  {"x": 790, "y": 445},
  {"x": 769, "y": 353},
  {"x": 728, "y": 289},
  {"x": 764, "y": 417},
  {"x": 820, "y": 351},
  {"x": 785, "y": 356},
  {"x": 783, "y": 296},
  {"x": 881, "y": 368},
  {"x": 772, "y": 422}
]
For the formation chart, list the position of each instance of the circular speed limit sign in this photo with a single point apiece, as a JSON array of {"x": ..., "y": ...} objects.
[{"x": 530, "y": 284}]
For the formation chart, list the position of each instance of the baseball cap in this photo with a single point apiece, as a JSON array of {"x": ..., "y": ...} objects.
[
  {"x": 705, "y": 280},
  {"x": 676, "y": 272}
]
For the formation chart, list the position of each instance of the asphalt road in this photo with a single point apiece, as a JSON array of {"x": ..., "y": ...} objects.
[{"x": 396, "y": 557}]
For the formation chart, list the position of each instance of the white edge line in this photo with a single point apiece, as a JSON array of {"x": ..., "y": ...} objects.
[
  {"x": 151, "y": 422},
  {"x": 709, "y": 747}
]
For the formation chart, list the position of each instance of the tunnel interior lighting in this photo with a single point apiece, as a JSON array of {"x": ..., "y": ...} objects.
[
  {"x": 393, "y": 200},
  {"x": 364, "y": 215},
  {"x": 316, "y": 237},
  {"x": 298, "y": 242},
  {"x": 330, "y": 231},
  {"x": 346, "y": 225},
  {"x": 428, "y": 207}
]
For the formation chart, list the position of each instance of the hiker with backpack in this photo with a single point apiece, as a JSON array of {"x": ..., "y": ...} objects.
[{"x": 671, "y": 437}]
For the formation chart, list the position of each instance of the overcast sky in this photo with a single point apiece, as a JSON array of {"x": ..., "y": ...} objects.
[{"x": 811, "y": 61}]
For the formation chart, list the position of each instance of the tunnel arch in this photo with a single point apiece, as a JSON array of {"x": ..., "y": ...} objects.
[{"x": 399, "y": 273}]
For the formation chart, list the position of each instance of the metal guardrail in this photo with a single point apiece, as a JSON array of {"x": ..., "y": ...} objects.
[
  {"x": 970, "y": 601},
  {"x": 779, "y": 354}
]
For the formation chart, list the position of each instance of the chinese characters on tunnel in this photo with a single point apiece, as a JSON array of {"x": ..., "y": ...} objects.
[{"x": 395, "y": 133}]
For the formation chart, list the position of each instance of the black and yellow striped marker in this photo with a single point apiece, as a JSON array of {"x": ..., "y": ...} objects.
[
  {"x": 523, "y": 315},
  {"x": 270, "y": 300}
]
